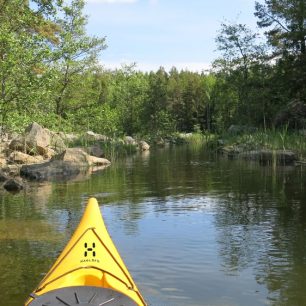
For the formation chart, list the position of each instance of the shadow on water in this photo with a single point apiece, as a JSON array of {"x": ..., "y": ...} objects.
[{"x": 193, "y": 228}]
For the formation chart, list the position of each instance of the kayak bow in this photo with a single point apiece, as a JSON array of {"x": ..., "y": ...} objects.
[{"x": 89, "y": 271}]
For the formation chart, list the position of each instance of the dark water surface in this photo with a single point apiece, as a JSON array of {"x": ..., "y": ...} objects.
[{"x": 193, "y": 229}]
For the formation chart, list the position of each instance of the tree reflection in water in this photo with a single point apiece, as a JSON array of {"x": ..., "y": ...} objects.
[{"x": 224, "y": 225}]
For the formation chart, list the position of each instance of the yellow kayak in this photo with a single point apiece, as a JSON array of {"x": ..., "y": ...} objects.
[{"x": 89, "y": 271}]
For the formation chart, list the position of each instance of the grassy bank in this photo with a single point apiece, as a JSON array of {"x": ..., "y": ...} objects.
[{"x": 271, "y": 140}]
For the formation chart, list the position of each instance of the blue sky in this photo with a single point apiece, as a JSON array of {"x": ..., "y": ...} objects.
[{"x": 166, "y": 33}]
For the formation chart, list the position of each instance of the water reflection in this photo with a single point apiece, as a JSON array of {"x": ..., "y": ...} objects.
[
  {"x": 262, "y": 225},
  {"x": 193, "y": 228}
]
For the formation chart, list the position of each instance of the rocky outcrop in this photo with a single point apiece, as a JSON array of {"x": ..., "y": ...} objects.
[
  {"x": 73, "y": 155},
  {"x": 50, "y": 153},
  {"x": 263, "y": 156},
  {"x": 12, "y": 170},
  {"x": 38, "y": 141},
  {"x": 66, "y": 165},
  {"x": 143, "y": 146},
  {"x": 23, "y": 158},
  {"x": 80, "y": 157},
  {"x": 56, "y": 142},
  {"x": 41, "y": 154}
]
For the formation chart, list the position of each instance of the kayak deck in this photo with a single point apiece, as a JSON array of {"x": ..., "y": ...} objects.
[
  {"x": 84, "y": 295},
  {"x": 89, "y": 264}
]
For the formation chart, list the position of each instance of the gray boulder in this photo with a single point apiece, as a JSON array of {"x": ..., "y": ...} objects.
[
  {"x": 66, "y": 165},
  {"x": 95, "y": 151},
  {"x": 56, "y": 141},
  {"x": 143, "y": 146},
  {"x": 130, "y": 141},
  {"x": 13, "y": 185},
  {"x": 68, "y": 137},
  {"x": 286, "y": 157},
  {"x": 36, "y": 140},
  {"x": 23, "y": 158},
  {"x": 73, "y": 155},
  {"x": 12, "y": 170},
  {"x": 80, "y": 157},
  {"x": 280, "y": 157},
  {"x": 230, "y": 152},
  {"x": 51, "y": 170},
  {"x": 92, "y": 136},
  {"x": 97, "y": 161}
]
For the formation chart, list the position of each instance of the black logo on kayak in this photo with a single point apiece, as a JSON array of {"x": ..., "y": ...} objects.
[{"x": 89, "y": 249}]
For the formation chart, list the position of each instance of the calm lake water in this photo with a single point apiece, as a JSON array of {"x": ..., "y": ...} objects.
[{"x": 194, "y": 229}]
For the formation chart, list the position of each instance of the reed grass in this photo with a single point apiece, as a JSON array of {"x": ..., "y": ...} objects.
[
  {"x": 270, "y": 139},
  {"x": 197, "y": 139},
  {"x": 113, "y": 148}
]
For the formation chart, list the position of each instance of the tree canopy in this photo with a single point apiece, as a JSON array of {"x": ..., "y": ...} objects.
[{"x": 51, "y": 72}]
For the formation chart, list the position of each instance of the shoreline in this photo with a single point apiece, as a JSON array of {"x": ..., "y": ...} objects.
[{"x": 42, "y": 155}]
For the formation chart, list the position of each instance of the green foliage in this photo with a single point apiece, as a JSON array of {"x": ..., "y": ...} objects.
[
  {"x": 101, "y": 119},
  {"x": 198, "y": 138},
  {"x": 284, "y": 22},
  {"x": 117, "y": 149},
  {"x": 241, "y": 53},
  {"x": 26, "y": 40},
  {"x": 19, "y": 121},
  {"x": 127, "y": 96},
  {"x": 75, "y": 55},
  {"x": 49, "y": 73}
]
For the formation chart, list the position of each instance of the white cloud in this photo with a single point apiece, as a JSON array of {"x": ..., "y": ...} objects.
[
  {"x": 111, "y": 1},
  {"x": 153, "y": 2}
]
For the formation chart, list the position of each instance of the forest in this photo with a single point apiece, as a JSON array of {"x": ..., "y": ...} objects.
[{"x": 51, "y": 72}]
